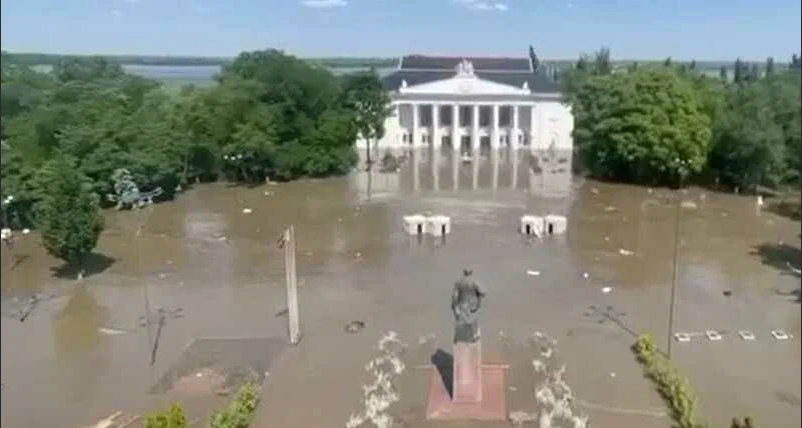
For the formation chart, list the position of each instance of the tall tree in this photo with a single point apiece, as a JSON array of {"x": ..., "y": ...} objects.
[
  {"x": 693, "y": 64},
  {"x": 371, "y": 106},
  {"x": 582, "y": 63},
  {"x": 533, "y": 58},
  {"x": 769, "y": 66},
  {"x": 69, "y": 212},
  {"x": 754, "y": 73},
  {"x": 722, "y": 73},
  {"x": 633, "y": 67},
  {"x": 648, "y": 126},
  {"x": 739, "y": 71},
  {"x": 602, "y": 65},
  {"x": 796, "y": 63},
  {"x": 667, "y": 62}
]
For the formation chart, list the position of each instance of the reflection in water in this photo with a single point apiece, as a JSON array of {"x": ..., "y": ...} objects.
[{"x": 354, "y": 262}]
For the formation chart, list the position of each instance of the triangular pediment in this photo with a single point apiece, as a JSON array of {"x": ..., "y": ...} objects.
[{"x": 464, "y": 85}]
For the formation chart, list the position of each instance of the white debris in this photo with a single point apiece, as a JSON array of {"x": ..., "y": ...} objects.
[
  {"x": 612, "y": 374},
  {"x": 533, "y": 272},
  {"x": 594, "y": 190},
  {"x": 609, "y": 209},
  {"x": 688, "y": 204},
  {"x": 6, "y": 233},
  {"x": 162, "y": 276},
  {"x": 585, "y": 275},
  {"x": 26, "y": 231},
  {"x": 198, "y": 374},
  {"x": 607, "y": 239},
  {"x": 606, "y": 290},
  {"x": 624, "y": 252},
  {"x": 247, "y": 210},
  {"x": 268, "y": 193},
  {"x": 357, "y": 254}
]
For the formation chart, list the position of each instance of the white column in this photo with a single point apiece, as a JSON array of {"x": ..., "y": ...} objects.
[
  {"x": 415, "y": 120},
  {"x": 475, "y": 128},
  {"x": 494, "y": 134},
  {"x": 532, "y": 128},
  {"x": 514, "y": 132},
  {"x": 494, "y": 159},
  {"x": 455, "y": 162},
  {"x": 435, "y": 165},
  {"x": 475, "y": 170},
  {"x": 456, "y": 138},
  {"x": 436, "y": 140},
  {"x": 416, "y": 169}
]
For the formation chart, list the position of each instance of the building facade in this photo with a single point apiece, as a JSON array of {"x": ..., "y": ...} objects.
[{"x": 471, "y": 103}]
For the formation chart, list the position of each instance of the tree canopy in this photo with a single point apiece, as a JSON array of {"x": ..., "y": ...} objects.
[
  {"x": 270, "y": 115},
  {"x": 655, "y": 124}
]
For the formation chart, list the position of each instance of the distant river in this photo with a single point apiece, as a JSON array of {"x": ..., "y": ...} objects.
[{"x": 198, "y": 75}]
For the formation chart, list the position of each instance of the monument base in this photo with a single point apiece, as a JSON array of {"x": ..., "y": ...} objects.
[{"x": 492, "y": 406}]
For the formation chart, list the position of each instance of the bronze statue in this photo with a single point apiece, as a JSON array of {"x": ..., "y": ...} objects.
[{"x": 466, "y": 300}]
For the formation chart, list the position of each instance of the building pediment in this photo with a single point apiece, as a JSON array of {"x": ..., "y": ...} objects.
[{"x": 460, "y": 85}]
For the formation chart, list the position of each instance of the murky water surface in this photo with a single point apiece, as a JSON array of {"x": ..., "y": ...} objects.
[{"x": 82, "y": 355}]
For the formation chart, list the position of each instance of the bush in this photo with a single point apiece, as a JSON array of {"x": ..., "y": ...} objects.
[
  {"x": 238, "y": 413},
  {"x": 170, "y": 418},
  {"x": 674, "y": 389}
]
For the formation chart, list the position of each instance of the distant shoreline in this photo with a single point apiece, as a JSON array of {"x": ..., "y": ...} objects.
[{"x": 32, "y": 59}]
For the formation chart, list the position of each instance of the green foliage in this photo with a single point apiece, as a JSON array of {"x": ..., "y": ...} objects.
[
  {"x": 68, "y": 211},
  {"x": 645, "y": 126},
  {"x": 674, "y": 389},
  {"x": 659, "y": 124},
  {"x": 370, "y": 103},
  {"x": 239, "y": 412},
  {"x": 170, "y": 418}
]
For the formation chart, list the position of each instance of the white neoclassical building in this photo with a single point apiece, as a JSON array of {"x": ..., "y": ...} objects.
[{"x": 469, "y": 103}]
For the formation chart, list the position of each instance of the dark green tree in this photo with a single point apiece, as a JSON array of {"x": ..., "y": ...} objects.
[
  {"x": 769, "y": 66},
  {"x": 370, "y": 104},
  {"x": 722, "y": 73},
  {"x": 647, "y": 126},
  {"x": 692, "y": 66},
  {"x": 667, "y": 62},
  {"x": 69, "y": 215},
  {"x": 533, "y": 58},
  {"x": 601, "y": 64}
]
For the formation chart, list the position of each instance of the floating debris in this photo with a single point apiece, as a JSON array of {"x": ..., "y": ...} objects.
[
  {"x": 26, "y": 231},
  {"x": 746, "y": 335},
  {"x": 727, "y": 293},
  {"x": 606, "y": 290},
  {"x": 609, "y": 209},
  {"x": 357, "y": 254},
  {"x": 688, "y": 205},
  {"x": 282, "y": 313},
  {"x": 585, "y": 275},
  {"x": 594, "y": 190},
  {"x": 354, "y": 326},
  {"x": 533, "y": 272},
  {"x": 780, "y": 335},
  {"x": 247, "y": 210},
  {"x": 425, "y": 339},
  {"x": 111, "y": 331},
  {"x": 612, "y": 374},
  {"x": 624, "y": 252},
  {"x": 268, "y": 193}
]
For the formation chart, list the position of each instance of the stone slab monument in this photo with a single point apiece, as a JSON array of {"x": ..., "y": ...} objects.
[{"x": 463, "y": 387}]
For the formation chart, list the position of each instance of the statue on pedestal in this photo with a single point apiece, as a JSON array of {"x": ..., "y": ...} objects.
[{"x": 466, "y": 300}]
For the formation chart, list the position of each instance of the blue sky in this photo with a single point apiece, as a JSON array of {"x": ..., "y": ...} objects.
[{"x": 683, "y": 29}]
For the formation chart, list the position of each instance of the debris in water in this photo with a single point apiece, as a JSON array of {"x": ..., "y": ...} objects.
[
  {"x": 162, "y": 276},
  {"x": 688, "y": 205},
  {"x": 727, "y": 293},
  {"x": 533, "y": 272},
  {"x": 512, "y": 388},
  {"x": 199, "y": 374},
  {"x": 425, "y": 339},
  {"x": 222, "y": 238},
  {"x": 594, "y": 190},
  {"x": 282, "y": 313},
  {"x": 624, "y": 252},
  {"x": 585, "y": 275},
  {"x": 606, "y": 290},
  {"x": 354, "y": 326},
  {"x": 111, "y": 331},
  {"x": 268, "y": 193},
  {"x": 169, "y": 262},
  {"x": 246, "y": 211},
  {"x": 650, "y": 191},
  {"x": 26, "y": 231},
  {"x": 612, "y": 374},
  {"x": 357, "y": 254},
  {"x": 607, "y": 239},
  {"x": 609, "y": 209}
]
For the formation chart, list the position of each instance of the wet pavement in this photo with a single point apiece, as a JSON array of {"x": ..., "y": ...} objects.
[{"x": 83, "y": 354}]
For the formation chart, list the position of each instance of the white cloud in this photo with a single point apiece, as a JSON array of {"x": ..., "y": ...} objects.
[
  {"x": 324, "y": 4},
  {"x": 117, "y": 12},
  {"x": 483, "y": 5}
]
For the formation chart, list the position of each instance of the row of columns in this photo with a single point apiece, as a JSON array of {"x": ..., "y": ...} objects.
[{"x": 456, "y": 135}]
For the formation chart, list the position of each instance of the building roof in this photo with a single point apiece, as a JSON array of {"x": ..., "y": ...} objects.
[
  {"x": 449, "y": 63},
  {"x": 536, "y": 82}
]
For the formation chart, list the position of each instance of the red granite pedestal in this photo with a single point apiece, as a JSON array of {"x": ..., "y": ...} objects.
[{"x": 479, "y": 391}]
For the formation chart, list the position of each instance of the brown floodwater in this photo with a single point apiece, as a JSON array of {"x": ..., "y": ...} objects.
[{"x": 66, "y": 366}]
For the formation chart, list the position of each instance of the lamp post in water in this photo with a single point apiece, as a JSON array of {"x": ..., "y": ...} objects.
[{"x": 675, "y": 274}]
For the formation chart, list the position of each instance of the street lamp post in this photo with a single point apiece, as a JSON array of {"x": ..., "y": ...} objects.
[{"x": 675, "y": 273}]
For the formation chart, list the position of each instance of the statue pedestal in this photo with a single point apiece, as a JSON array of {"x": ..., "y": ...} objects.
[{"x": 478, "y": 389}]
